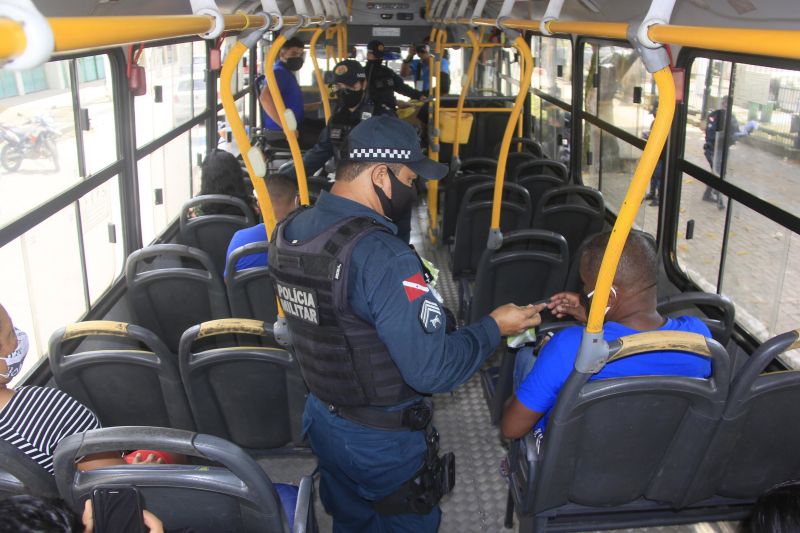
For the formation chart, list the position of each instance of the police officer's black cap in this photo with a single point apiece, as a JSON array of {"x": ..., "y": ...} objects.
[
  {"x": 348, "y": 72},
  {"x": 386, "y": 139},
  {"x": 376, "y": 48}
]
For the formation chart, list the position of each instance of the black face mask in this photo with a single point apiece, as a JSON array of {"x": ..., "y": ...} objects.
[
  {"x": 349, "y": 97},
  {"x": 402, "y": 200},
  {"x": 294, "y": 63}
]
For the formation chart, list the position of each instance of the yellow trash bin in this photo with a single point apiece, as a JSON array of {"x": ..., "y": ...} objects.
[{"x": 447, "y": 126}]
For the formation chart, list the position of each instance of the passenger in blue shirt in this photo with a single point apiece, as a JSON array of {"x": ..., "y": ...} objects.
[
  {"x": 290, "y": 60},
  {"x": 283, "y": 195},
  {"x": 631, "y": 309},
  {"x": 419, "y": 69},
  {"x": 360, "y": 463}
]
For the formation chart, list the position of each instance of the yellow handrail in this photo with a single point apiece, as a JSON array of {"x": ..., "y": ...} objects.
[
  {"x": 323, "y": 89},
  {"x": 437, "y": 37},
  {"x": 237, "y": 127},
  {"x": 280, "y": 106},
  {"x": 524, "y": 83},
  {"x": 633, "y": 198},
  {"x": 13, "y": 42},
  {"x": 473, "y": 61}
]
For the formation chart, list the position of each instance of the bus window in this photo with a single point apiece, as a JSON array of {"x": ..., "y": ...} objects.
[
  {"x": 101, "y": 227},
  {"x": 96, "y": 96},
  {"x": 590, "y": 158},
  {"x": 553, "y": 72}
]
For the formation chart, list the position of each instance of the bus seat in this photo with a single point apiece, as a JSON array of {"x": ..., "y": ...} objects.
[
  {"x": 574, "y": 211},
  {"x": 541, "y": 167},
  {"x": 514, "y": 160},
  {"x": 755, "y": 446},
  {"x": 478, "y": 165},
  {"x": 169, "y": 299},
  {"x": 236, "y": 496},
  {"x": 717, "y": 311},
  {"x": 620, "y": 445},
  {"x": 19, "y": 474},
  {"x": 249, "y": 394},
  {"x": 528, "y": 146},
  {"x": 456, "y": 188},
  {"x": 212, "y": 232},
  {"x": 132, "y": 381},
  {"x": 474, "y": 219},
  {"x": 538, "y": 184},
  {"x": 250, "y": 292}
]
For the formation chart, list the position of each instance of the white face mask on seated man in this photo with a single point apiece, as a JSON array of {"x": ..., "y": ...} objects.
[{"x": 15, "y": 359}]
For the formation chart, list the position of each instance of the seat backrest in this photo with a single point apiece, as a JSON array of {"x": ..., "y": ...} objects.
[
  {"x": 529, "y": 266},
  {"x": 456, "y": 189},
  {"x": 716, "y": 311},
  {"x": 212, "y": 232},
  {"x": 516, "y": 159},
  {"x": 538, "y": 184},
  {"x": 574, "y": 211},
  {"x": 249, "y": 394},
  {"x": 131, "y": 380},
  {"x": 528, "y": 145},
  {"x": 604, "y": 445},
  {"x": 236, "y": 496},
  {"x": 19, "y": 474},
  {"x": 474, "y": 220},
  {"x": 478, "y": 165},
  {"x": 250, "y": 292},
  {"x": 172, "y": 287},
  {"x": 756, "y": 444},
  {"x": 541, "y": 167}
]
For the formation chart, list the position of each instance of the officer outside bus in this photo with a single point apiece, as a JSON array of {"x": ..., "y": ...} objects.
[
  {"x": 383, "y": 82},
  {"x": 369, "y": 334},
  {"x": 351, "y": 108}
]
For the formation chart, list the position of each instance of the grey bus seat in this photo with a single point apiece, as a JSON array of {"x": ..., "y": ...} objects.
[
  {"x": 756, "y": 444},
  {"x": 528, "y": 145},
  {"x": 620, "y": 445},
  {"x": 236, "y": 496},
  {"x": 542, "y": 167},
  {"x": 456, "y": 189},
  {"x": 250, "y": 292},
  {"x": 574, "y": 211},
  {"x": 538, "y": 180},
  {"x": 132, "y": 380},
  {"x": 249, "y": 394},
  {"x": 168, "y": 299},
  {"x": 19, "y": 474},
  {"x": 478, "y": 165},
  {"x": 717, "y": 311},
  {"x": 212, "y": 232},
  {"x": 516, "y": 159}
]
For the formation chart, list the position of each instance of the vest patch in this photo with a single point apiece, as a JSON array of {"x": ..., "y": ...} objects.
[
  {"x": 415, "y": 287},
  {"x": 299, "y": 302}
]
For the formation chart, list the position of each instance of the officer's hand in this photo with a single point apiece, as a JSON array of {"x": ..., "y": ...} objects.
[{"x": 513, "y": 319}]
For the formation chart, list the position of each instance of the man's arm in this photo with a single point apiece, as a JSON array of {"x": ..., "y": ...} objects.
[
  {"x": 315, "y": 158},
  {"x": 408, "y": 64},
  {"x": 518, "y": 419},
  {"x": 401, "y": 87},
  {"x": 268, "y": 104}
]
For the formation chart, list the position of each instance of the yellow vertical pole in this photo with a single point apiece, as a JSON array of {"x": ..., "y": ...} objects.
[
  {"x": 473, "y": 61},
  {"x": 323, "y": 89},
  {"x": 524, "y": 84},
  {"x": 433, "y": 185}
]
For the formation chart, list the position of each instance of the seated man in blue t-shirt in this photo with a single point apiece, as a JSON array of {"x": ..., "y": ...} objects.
[
  {"x": 283, "y": 195},
  {"x": 631, "y": 309}
]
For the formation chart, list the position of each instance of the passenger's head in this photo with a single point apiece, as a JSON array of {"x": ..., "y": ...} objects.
[
  {"x": 13, "y": 348},
  {"x": 350, "y": 81},
  {"x": 29, "y": 514},
  {"x": 379, "y": 163},
  {"x": 292, "y": 53},
  {"x": 375, "y": 50},
  {"x": 637, "y": 272},
  {"x": 221, "y": 173},
  {"x": 423, "y": 50},
  {"x": 776, "y": 511},
  {"x": 283, "y": 194}
]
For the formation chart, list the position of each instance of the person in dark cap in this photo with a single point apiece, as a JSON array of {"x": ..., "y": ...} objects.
[
  {"x": 369, "y": 334},
  {"x": 351, "y": 108},
  {"x": 383, "y": 82}
]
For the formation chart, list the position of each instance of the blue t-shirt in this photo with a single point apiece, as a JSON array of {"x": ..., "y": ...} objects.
[
  {"x": 424, "y": 76},
  {"x": 539, "y": 390},
  {"x": 257, "y": 233},
  {"x": 290, "y": 90}
]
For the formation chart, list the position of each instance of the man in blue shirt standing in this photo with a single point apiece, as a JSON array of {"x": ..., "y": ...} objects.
[
  {"x": 631, "y": 309},
  {"x": 419, "y": 69},
  {"x": 369, "y": 334},
  {"x": 290, "y": 60}
]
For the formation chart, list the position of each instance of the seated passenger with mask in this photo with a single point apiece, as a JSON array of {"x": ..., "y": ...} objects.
[
  {"x": 351, "y": 108},
  {"x": 631, "y": 309}
]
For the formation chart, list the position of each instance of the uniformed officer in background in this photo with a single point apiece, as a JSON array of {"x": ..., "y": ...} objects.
[
  {"x": 369, "y": 334},
  {"x": 383, "y": 82},
  {"x": 351, "y": 108}
]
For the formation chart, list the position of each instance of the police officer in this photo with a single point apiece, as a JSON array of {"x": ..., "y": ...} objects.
[
  {"x": 352, "y": 107},
  {"x": 384, "y": 82},
  {"x": 369, "y": 334}
]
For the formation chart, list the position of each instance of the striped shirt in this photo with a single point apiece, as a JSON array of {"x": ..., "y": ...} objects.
[{"x": 37, "y": 418}]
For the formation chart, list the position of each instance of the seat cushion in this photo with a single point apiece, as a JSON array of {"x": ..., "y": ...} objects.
[{"x": 288, "y": 497}]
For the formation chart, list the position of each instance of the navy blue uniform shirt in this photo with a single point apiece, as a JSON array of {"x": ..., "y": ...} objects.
[{"x": 387, "y": 290}]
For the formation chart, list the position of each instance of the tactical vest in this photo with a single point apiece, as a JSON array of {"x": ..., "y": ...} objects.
[
  {"x": 343, "y": 360},
  {"x": 342, "y": 122},
  {"x": 381, "y": 86}
]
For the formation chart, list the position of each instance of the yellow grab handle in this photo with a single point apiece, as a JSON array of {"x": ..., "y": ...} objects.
[
  {"x": 246, "y": 326},
  {"x": 323, "y": 89},
  {"x": 473, "y": 61},
  {"x": 95, "y": 327}
]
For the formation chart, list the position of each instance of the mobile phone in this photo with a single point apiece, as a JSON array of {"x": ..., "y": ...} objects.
[{"x": 117, "y": 509}]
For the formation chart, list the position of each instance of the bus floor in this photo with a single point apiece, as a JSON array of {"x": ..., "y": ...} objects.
[{"x": 478, "y": 501}]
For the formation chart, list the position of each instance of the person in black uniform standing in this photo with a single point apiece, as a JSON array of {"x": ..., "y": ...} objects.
[
  {"x": 370, "y": 335},
  {"x": 383, "y": 82}
]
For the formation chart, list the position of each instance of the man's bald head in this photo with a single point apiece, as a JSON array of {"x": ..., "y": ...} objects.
[{"x": 638, "y": 265}]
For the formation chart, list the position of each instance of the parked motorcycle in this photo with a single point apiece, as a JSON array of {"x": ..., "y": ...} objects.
[{"x": 35, "y": 142}]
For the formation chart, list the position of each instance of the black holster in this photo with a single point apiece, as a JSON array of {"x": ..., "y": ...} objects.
[{"x": 421, "y": 493}]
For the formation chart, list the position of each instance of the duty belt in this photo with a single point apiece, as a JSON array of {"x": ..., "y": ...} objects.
[{"x": 415, "y": 417}]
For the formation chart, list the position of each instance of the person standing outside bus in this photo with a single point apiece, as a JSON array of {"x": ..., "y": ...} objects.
[
  {"x": 383, "y": 82},
  {"x": 370, "y": 336},
  {"x": 290, "y": 60}
]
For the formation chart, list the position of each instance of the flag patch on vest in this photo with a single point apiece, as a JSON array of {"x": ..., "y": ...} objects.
[
  {"x": 430, "y": 316},
  {"x": 415, "y": 287},
  {"x": 298, "y": 302}
]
